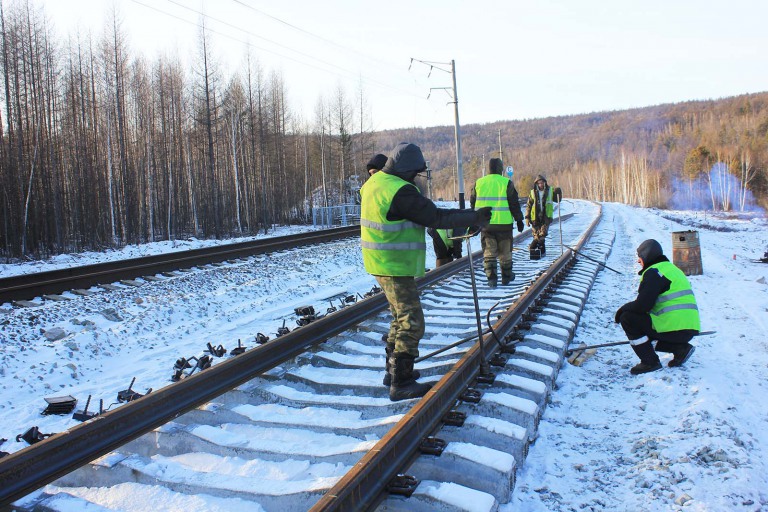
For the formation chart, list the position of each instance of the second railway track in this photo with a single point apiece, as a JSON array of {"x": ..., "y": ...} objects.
[{"x": 317, "y": 429}]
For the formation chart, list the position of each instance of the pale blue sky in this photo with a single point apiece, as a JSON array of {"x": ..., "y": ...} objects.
[{"x": 514, "y": 59}]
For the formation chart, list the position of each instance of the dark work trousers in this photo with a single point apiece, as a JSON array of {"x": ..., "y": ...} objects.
[{"x": 638, "y": 325}]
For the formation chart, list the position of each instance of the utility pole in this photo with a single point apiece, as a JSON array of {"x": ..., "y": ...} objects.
[
  {"x": 457, "y": 126},
  {"x": 457, "y": 133},
  {"x": 501, "y": 153}
]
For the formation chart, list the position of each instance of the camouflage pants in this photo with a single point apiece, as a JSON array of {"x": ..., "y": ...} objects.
[
  {"x": 539, "y": 234},
  {"x": 407, "y": 326},
  {"x": 497, "y": 245}
]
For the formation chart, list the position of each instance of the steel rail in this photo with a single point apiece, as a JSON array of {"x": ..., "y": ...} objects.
[
  {"x": 31, "y": 468},
  {"x": 364, "y": 486},
  {"x": 29, "y": 286}
]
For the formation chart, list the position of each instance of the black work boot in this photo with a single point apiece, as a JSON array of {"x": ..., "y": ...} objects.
[
  {"x": 542, "y": 248},
  {"x": 681, "y": 355},
  {"x": 533, "y": 250},
  {"x": 404, "y": 385},
  {"x": 388, "y": 375},
  {"x": 507, "y": 276},
  {"x": 489, "y": 265},
  {"x": 649, "y": 360}
]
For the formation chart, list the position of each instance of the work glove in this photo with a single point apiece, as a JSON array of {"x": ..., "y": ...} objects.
[
  {"x": 618, "y": 314},
  {"x": 557, "y": 194},
  {"x": 520, "y": 226},
  {"x": 528, "y": 222},
  {"x": 484, "y": 215}
]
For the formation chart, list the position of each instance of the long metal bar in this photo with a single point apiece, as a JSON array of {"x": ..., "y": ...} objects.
[
  {"x": 33, "y": 467},
  {"x": 582, "y": 348},
  {"x": 29, "y": 286}
]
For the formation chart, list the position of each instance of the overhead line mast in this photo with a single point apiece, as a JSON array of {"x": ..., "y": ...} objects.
[{"x": 457, "y": 126}]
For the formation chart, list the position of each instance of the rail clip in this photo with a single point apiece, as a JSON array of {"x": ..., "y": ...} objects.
[
  {"x": 403, "y": 485},
  {"x": 85, "y": 415},
  {"x": 32, "y": 436},
  {"x": 471, "y": 396},
  {"x": 432, "y": 446},
  {"x": 455, "y": 418}
]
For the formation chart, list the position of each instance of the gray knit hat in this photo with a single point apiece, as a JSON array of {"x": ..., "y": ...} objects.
[{"x": 649, "y": 251}]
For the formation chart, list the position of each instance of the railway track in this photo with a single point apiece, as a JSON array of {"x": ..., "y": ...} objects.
[
  {"x": 310, "y": 408},
  {"x": 48, "y": 284}
]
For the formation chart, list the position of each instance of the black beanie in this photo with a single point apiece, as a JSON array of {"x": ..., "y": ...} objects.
[
  {"x": 495, "y": 166},
  {"x": 649, "y": 251},
  {"x": 377, "y": 162}
]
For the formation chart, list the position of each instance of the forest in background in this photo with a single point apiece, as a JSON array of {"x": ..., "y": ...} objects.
[
  {"x": 100, "y": 148},
  {"x": 693, "y": 155}
]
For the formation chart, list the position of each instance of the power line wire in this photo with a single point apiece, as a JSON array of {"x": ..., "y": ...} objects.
[
  {"x": 351, "y": 74},
  {"x": 316, "y": 36}
]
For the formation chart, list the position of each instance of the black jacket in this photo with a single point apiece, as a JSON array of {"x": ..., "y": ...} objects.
[
  {"x": 409, "y": 204},
  {"x": 652, "y": 285}
]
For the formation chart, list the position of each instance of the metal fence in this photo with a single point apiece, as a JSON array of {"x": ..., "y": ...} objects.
[{"x": 342, "y": 215}]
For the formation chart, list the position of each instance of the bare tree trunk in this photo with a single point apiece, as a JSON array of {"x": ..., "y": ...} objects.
[
  {"x": 29, "y": 195},
  {"x": 190, "y": 185},
  {"x": 233, "y": 135},
  {"x": 110, "y": 180}
]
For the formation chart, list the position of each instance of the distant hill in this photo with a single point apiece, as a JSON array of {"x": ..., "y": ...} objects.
[{"x": 697, "y": 154}]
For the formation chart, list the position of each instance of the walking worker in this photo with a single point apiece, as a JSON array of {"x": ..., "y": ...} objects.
[
  {"x": 393, "y": 217},
  {"x": 446, "y": 249},
  {"x": 665, "y": 310},
  {"x": 375, "y": 164},
  {"x": 539, "y": 214},
  {"x": 498, "y": 192}
]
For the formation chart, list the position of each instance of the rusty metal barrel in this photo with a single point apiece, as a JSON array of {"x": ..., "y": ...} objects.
[{"x": 686, "y": 252}]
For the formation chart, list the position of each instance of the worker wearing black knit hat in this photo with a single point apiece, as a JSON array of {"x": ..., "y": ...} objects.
[
  {"x": 376, "y": 163},
  {"x": 665, "y": 310},
  {"x": 498, "y": 192}
]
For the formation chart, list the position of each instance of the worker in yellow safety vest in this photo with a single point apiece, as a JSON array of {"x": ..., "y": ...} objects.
[
  {"x": 664, "y": 311},
  {"x": 393, "y": 217}
]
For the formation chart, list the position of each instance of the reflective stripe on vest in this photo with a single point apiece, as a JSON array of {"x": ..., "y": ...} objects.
[
  {"x": 549, "y": 206},
  {"x": 491, "y": 191},
  {"x": 675, "y": 309},
  {"x": 390, "y": 248}
]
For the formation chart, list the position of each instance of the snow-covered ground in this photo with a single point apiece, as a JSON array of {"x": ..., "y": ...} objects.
[
  {"x": 690, "y": 438},
  {"x": 696, "y": 435}
]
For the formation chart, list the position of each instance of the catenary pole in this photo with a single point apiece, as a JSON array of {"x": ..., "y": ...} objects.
[
  {"x": 457, "y": 132},
  {"x": 457, "y": 126}
]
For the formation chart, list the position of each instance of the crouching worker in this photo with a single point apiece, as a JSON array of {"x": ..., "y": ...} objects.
[
  {"x": 393, "y": 217},
  {"x": 665, "y": 310}
]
